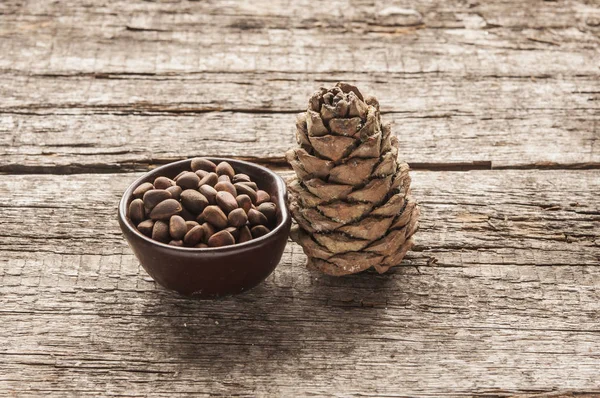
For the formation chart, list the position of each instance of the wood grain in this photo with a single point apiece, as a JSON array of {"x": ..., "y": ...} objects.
[
  {"x": 207, "y": 36},
  {"x": 534, "y": 218},
  {"x": 112, "y": 123},
  {"x": 500, "y": 296},
  {"x": 497, "y": 331},
  {"x": 467, "y": 85}
]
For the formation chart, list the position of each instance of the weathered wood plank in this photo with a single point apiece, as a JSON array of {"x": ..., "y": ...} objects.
[
  {"x": 488, "y": 307},
  {"x": 464, "y": 77},
  {"x": 99, "y": 143},
  {"x": 508, "y": 217},
  {"x": 504, "y": 331},
  {"x": 333, "y": 14},
  {"x": 122, "y": 38},
  {"x": 182, "y": 93}
]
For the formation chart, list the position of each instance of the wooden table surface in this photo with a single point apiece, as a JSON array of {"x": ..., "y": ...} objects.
[{"x": 497, "y": 109}]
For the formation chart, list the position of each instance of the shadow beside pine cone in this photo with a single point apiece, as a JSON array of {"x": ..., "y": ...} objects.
[{"x": 350, "y": 197}]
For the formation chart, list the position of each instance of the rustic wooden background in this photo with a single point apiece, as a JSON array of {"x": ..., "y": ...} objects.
[{"x": 497, "y": 109}]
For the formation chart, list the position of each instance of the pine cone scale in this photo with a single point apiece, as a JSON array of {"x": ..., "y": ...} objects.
[
  {"x": 353, "y": 172},
  {"x": 345, "y": 127},
  {"x": 332, "y": 147},
  {"x": 345, "y": 212}
]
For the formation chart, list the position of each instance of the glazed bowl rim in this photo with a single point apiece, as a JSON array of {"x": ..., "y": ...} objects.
[{"x": 281, "y": 196}]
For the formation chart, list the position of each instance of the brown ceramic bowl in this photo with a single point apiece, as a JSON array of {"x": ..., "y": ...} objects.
[{"x": 218, "y": 271}]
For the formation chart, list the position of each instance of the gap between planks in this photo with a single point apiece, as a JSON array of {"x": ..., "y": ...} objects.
[{"x": 278, "y": 165}]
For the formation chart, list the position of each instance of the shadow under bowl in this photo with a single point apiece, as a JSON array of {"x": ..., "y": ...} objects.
[{"x": 218, "y": 271}]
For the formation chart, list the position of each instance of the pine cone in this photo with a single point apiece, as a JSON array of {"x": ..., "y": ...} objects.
[{"x": 350, "y": 197}]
